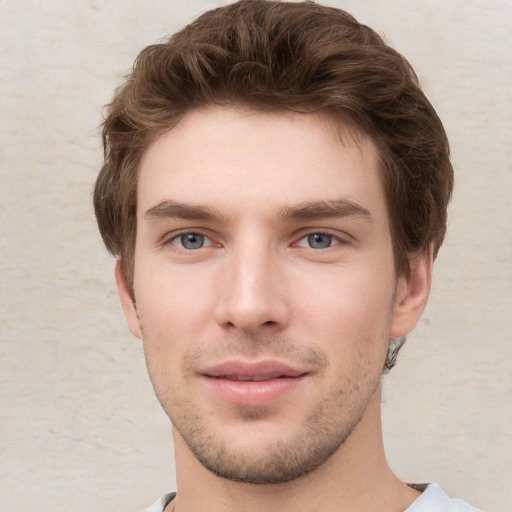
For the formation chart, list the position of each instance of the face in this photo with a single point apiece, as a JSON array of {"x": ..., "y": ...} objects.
[{"x": 264, "y": 286}]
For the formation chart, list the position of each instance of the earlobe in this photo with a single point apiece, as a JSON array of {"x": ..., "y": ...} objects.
[
  {"x": 412, "y": 294},
  {"x": 127, "y": 301}
]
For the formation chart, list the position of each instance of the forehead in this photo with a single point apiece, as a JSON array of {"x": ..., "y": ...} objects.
[{"x": 242, "y": 159}]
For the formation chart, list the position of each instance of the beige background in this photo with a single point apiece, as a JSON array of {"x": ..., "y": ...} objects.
[{"x": 80, "y": 428}]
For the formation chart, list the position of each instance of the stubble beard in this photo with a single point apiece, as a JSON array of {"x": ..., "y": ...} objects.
[
  {"x": 276, "y": 462},
  {"x": 321, "y": 434}
]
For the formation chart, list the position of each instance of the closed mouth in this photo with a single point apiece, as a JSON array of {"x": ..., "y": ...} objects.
[
  {"x": 256, "y": 371},
  {"x": 254, "y": 378}
]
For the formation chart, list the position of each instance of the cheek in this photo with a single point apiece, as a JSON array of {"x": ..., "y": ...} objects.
[
  {"x": 173, "y": 309},
  {"x": 174, "y": 305},
  {"x": 350, "y": 315},
  {"x": 346, "y": 297}
]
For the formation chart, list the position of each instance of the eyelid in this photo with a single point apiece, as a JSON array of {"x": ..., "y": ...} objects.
[
  {"x": 170, "y": 237},
  {"x": 340, "y": 238}
]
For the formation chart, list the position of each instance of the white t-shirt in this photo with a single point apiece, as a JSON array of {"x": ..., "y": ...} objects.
[
  {"x": 160, "y": 504},
  {"x": 432, "y": 499}
]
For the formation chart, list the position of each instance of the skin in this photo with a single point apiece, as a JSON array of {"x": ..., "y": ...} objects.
[{"x": 265, "y": 238}]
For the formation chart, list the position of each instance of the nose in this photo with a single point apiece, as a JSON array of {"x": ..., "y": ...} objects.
[{"x": 252, "y": 292}]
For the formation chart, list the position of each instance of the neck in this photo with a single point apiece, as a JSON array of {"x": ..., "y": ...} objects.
[{"x": 356, "y": 478}]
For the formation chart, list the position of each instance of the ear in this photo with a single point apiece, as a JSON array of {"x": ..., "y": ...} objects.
[
  {"x": 412, "y": 294},
  {"x": 127, "y": 301}
]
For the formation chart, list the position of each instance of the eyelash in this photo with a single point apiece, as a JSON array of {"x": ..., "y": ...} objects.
[
  {"x": 333, "y": 240},
  {"x": 176, "y": 236}
]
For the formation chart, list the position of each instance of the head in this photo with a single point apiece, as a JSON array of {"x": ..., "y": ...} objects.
[
  {"x": 273, "y": 56},
  {"x": 314, "y": 89}
]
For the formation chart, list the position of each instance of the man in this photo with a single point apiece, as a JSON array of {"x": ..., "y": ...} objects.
[{"x": 275, "y": 189}]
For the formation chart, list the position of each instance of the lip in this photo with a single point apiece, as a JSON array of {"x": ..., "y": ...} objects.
[{"x": 253, "y": 384}]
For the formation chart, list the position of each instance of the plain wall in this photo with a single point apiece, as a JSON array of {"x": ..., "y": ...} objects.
[{"x": 80, "y": 428}]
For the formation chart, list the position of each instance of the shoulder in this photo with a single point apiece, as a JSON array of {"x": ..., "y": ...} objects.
[
  {"x": 161, "y": 503},
  {"x": 434, "y": 499}
]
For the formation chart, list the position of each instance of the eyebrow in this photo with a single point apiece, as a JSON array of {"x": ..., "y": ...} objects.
[
  {"x": 305, "y": 211},
  {"x": 318, "y": 210},
  {"x": 174, "y": 209}
]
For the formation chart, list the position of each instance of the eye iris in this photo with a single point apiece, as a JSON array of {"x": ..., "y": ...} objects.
[
  {"x": 192, "y": 241},
  {"x": 319, "y": 241}
]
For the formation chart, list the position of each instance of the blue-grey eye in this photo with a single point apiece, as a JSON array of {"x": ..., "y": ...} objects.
[
  {"x": 319, "y": 240},
  {"x": 192, "y": 240}
]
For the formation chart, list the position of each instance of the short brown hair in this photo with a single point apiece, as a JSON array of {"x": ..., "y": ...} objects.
[{"x": 282, "y": 56}]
